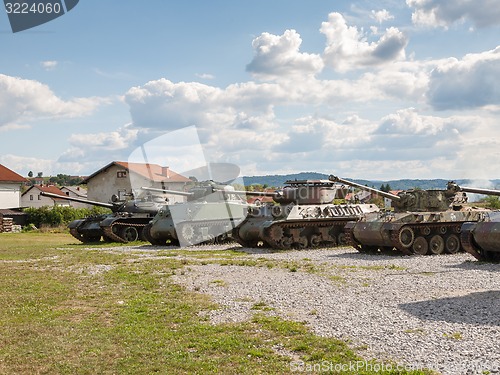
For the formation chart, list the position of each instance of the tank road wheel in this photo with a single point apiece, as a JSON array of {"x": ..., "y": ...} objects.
[
  {"x": 342, "y": 239},
  {"x": 437, "y": 244},
  {"x": 426, "y": 231},
  {"x": 443, "y": 230},
  {"x": 420, "y": 246},
  {"x": 129, "y": 234},
  {"x": 315, "y": 240},
  {"x": 302, "y": 242},
  {"x": 452, "y": 244},
  {"x": 406, "y": 237},
  {"x": 285, "y": 243}
]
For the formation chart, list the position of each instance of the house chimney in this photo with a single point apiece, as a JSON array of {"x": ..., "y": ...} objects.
[{"x": 165, "y": 171}]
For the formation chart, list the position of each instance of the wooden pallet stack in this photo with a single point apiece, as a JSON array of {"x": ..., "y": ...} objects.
[{"x": 6, "y": 224}]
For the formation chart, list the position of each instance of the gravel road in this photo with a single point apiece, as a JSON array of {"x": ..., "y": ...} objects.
[{"x": 440, "y": 312}]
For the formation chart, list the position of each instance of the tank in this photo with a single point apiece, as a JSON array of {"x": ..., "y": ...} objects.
[
  {"x": 482, "y": 238},
  {"x": 420, "y": 222},
  {"x": 124, "y": 224},
  {"x": 211, "y": 212},
  {"x": 304, "y": 216}
]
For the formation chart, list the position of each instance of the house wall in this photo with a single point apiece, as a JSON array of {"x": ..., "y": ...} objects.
[
  {"x": 69, "y": 193},
  {"x": 10, "y": 195},
  {"x": 116, "y": 180},
  {"x": 32, "y": 198}
]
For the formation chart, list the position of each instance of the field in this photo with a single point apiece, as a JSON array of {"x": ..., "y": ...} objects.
[{"x": 69, "y": 308}]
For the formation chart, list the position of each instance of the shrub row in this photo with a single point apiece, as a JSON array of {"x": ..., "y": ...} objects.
[{"x": 54, "y": 216}]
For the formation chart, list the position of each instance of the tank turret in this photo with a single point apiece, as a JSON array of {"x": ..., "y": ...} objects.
[{"x": 421, "y": 222}]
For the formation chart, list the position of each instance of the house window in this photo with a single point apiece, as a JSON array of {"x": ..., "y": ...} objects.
[
  {"x": 31, "y": 197},
  {"x": 39, "y": 197},
  {"x": 121, "y": 174}
]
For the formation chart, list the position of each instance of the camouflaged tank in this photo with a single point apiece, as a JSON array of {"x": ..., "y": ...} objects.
[
  {"x": 304, "y": 216},
  {"x": 211, "y": 212},
  {"x": 124, "y": 224},
  {"x": 421, "y": 222}
]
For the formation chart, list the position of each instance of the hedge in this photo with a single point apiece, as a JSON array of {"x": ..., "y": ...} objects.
[{"x": 55, "y": 216}]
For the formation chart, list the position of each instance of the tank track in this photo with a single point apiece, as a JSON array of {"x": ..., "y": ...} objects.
[
  {"x": 468, "y": 241},
  {"x": 311, "y": 234},
  {"x": 82, "y": 238},
  {"x": 418, "y": 238},
  {"x": 110, "y": 233}
]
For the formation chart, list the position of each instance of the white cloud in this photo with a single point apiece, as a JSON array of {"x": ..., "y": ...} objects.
[
  {"x": 279, "y": 56},
  {"x": 205, "y": 76},
  {"x": 381, "y": 15},
  {"x": 471, "y": 82},
  {"x": 23, "y": 101},
  {"x": 438, "y": 13},
  {"x": 49, "y": 65},
  {"x": 22, "y": 165},
  {"x": 348, "y": 48}
]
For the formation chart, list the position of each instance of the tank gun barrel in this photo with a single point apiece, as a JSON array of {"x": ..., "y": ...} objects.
[
  {"x": 81, "y": 200},
  {"x": 257, "y": 193},
  {"x": 363, "y": 187},
  {"x": 174, "y": 192},
  {"x": 480, "y": 191}
]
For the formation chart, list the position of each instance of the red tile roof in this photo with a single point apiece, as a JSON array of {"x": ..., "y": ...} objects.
[
  {"x": 6, "y": 175},
  {"x": 48, "y": 189},
  {"x": 154, "y": 172}
]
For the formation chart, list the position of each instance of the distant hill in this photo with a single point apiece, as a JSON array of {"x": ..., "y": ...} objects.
[{"x": 405, "y": 184}]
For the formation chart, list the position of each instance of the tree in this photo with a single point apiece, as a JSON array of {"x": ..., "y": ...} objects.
[
  {"x": 30, "y": 174},
  {"x": 40, "y": 174}
]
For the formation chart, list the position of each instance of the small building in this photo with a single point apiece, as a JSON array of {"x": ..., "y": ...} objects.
[
  {"x": 76, "y": 192},
  {"x": 10, "y": 188},
  {"x": 121, "y": 181},
  {"x": 33, "y": 198}
]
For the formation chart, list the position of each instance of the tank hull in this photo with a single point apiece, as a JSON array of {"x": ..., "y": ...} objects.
[
  {"x": 117, "y": 227},
  {"x": 298, "y": 226},
  {"x": 482, "y": 239},
  {"x": 411, "y": 232},
  {"x": 195, "y": 223}
]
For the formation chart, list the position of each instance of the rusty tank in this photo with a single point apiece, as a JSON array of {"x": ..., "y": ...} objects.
[
  {"x": 304, "y": 216},
  {"x": 210, "y": 214},
  {"x": 124, "y": 224},
  {"x": 420, "y": 222}
]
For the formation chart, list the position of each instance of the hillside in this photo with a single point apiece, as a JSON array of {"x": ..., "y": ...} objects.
[{"x": 404, "y": 184}]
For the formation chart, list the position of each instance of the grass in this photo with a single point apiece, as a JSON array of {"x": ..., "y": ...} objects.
[{"x": 68, "y": 308}]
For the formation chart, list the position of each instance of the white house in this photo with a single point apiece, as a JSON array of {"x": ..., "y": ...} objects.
[
  {"x": 121, "y": 180},
  {"x": 10, "y": 188},
  {"x": 33, "y": 198},
  {"x": 76, "y": 192}
]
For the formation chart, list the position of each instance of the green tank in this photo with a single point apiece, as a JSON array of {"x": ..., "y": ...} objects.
[
  {"x": 304, "y": 216},
  {"x": 211, "y": 212},
  {"x": 124, "y": 224},
  {"x": 420, "y": 222}
]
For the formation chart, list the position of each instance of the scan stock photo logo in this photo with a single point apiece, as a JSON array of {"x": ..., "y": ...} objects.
[{"x": 26, "y": 14}]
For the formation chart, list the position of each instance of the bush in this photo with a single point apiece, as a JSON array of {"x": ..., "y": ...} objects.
[{"x": 56, "y": 216}]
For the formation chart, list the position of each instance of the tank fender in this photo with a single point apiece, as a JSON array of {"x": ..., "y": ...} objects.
[{"x": 75, "y": 223}]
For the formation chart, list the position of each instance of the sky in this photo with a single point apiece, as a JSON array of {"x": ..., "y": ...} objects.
[{"x": 362, "y": 89}]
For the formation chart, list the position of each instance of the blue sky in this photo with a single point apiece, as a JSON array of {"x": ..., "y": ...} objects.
[{"x": 375, "y": 90}]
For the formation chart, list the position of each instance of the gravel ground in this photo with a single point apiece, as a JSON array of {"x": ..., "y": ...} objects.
[{"x": 439, "y": 312}]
